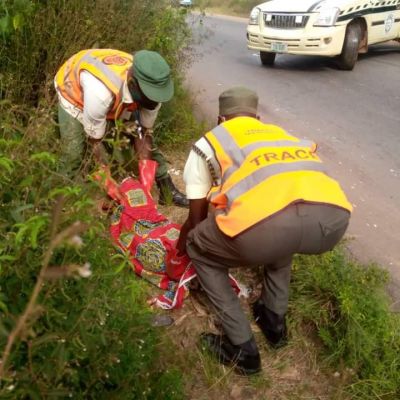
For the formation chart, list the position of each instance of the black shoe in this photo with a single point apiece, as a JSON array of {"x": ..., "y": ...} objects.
[
  {"x": 170, "y": 194},
  {"x": 272, "y": 325},
  {"x": 245, "y": 357}
]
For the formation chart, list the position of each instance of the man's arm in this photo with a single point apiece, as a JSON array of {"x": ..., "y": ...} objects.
[
  {"x": 198, "y": 210},
  {"x": 97, "y": 100},
  {"x": 143, "y": 146},
  {"x": 198, "y": 181}
]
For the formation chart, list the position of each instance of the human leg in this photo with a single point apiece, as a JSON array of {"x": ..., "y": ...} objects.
[
  {"x": 322, "y": 227},
  {"x": 280, "y": 237},
  {"x": 270, "y": 309},
  {"x": 168, "y": 193},
  {"x": 162, "y": 167},
  {"x": 238, "y": 344},
  {"x": 276, "y": 281},
  {"x": 213, "y": 274},
  {"x": 72, "y": 142},
  {"x": 272, "y": 243},
  {"x": 313, "y": 229}
]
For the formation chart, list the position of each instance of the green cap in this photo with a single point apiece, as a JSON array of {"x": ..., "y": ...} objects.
[
  {"x": 238, "y": 100},
  {"x": 153, "y": 75}
]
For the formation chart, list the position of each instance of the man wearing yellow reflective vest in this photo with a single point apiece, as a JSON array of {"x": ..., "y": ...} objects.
[
  {"x": 271, "y": 198},
  {"x": 96, "y": 88}
]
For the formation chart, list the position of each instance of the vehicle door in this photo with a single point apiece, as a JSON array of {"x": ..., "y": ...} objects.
[{"x": 383, "y": 21}]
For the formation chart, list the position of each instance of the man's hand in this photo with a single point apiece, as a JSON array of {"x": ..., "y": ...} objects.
[
  {"x": 104, "y": 178},
  {"x": 98, "y": 151},
  {"x": 176, "y": 264},
  {"x": 198, "y": 210},
  {"x": 143, "y": 146}
]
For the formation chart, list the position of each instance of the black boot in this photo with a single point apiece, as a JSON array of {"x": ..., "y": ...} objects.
[
  {"x": 272, "y": 325},
  {"x": 170, "y": 194},
  {"x": 245, "y": 356}
]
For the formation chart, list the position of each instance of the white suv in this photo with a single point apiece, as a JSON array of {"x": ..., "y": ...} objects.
[{"x": 341, "y": 28}]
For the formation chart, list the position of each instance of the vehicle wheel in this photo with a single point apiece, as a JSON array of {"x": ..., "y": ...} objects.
[
  {"x": 267, "y": 58},
  {"x": 351, "y": 44}
]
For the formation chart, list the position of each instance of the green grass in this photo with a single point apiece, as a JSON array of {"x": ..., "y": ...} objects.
[
  {"x": 349, "y": 308},
  {"x": 84, "y": 337},
  {"x": 344, "y": 340}
]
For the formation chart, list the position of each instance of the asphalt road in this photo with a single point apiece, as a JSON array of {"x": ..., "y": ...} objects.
[{"x": 353, "y": 116}]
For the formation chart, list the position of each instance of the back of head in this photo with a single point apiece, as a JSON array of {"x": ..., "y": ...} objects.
[{"x": 238, "y": 100}]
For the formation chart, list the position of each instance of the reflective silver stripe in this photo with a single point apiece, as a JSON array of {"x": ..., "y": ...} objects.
[
  {"x": 277, "y": 143},
  {"x": 263, "y": 173},
  {"x": 232, "y": 149},
  {"x": 228, "y": 173},
  {"x": 238, "y": 155},
  {"x": 225, "y": 139},
  {"x": 113, "y": 78},
  {"x": 67, "y": 82}
]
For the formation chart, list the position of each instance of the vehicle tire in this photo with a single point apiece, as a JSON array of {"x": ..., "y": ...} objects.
[
  {"x": 351, "y": 44},
  {"x": 267, "y": 58}
]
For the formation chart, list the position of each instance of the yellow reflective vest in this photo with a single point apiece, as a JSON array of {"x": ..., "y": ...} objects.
[
  {"x": 107, "y": 65},
  {"x": 264, "y": 170}
]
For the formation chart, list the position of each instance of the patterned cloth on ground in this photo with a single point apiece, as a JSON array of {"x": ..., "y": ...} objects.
[{"x": 150, "y": 240}]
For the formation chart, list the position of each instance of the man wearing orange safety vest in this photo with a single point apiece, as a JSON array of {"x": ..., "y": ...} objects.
[
  {"x": 97, "y": 87},
  {"x": 272, "y": 198}
]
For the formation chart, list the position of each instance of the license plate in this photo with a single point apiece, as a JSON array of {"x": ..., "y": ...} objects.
[{"x": 279, "y": 47}]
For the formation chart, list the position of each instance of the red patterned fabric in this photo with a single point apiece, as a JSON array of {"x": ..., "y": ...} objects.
[{"x": 149, "y": 238}]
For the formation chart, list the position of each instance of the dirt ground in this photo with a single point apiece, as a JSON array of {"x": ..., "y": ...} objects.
[{"x": 292, "y": 372}]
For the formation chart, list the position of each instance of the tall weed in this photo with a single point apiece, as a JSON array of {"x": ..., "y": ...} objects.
[
  {"x": 72, "y": 317},
  {"x": 350, "y": 309},
  {"x": 37, "y": 37}
]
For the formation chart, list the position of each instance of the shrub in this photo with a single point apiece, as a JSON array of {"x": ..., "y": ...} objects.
[
  {"x": 37, "y": 37},
  {"x": 64, "y": 335},
  {"x": 82, "y": 338},
  {"x": 349, "y": 307}
]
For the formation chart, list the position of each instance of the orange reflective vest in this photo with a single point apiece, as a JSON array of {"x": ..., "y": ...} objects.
[
  {"x": 107, "y": 65},
  {"x": 264, "y": 170}
]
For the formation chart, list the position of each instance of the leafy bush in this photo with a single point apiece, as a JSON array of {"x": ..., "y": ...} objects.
[
  {"x": 37, "y": 37},
  {"x": 64, "y": 335},
  {"x": 83, "y": 336},
  {"x": 349, "y": 307}
]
